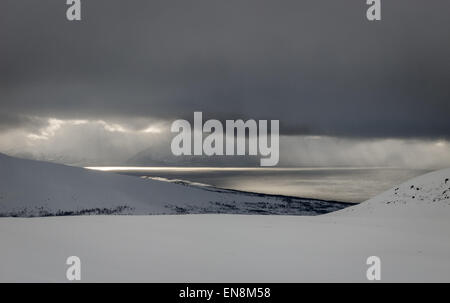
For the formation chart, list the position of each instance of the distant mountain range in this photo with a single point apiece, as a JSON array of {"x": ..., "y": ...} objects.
[{"x": 150, "y": 157}]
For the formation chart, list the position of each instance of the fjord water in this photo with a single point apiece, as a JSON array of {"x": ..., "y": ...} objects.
[{"x": 346, "y": 184}]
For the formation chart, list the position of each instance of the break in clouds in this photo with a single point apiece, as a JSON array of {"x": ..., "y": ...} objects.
[
  {"x": 346, "y": 91},
  {"x": 93, "y": 143}
]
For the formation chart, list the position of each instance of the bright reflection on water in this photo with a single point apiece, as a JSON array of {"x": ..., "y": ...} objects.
[{"x": 339, "y": 184}]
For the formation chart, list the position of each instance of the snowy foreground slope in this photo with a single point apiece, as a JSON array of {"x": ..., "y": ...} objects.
[
  {"x": 409, "y": 232},
  {"x": 33, "y": 188},
  {"x": 223, "y": 248}
]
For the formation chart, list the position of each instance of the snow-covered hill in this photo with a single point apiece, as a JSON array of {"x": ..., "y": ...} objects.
[
  {"x": 35, "y": 188},
  {"x": 424, "y": 196}
]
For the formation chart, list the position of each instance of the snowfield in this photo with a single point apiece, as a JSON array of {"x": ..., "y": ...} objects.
[
  {"x": 408, "y": 227},
  {"x": 223, "y": 248}
]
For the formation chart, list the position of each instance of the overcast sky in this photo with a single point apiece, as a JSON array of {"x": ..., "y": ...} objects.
[{"x": 318, "y": 66}]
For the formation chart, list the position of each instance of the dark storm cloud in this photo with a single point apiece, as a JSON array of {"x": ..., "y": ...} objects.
[
  {"x": 14, "y": 121},
  {"x": 318, "y": 66}
]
